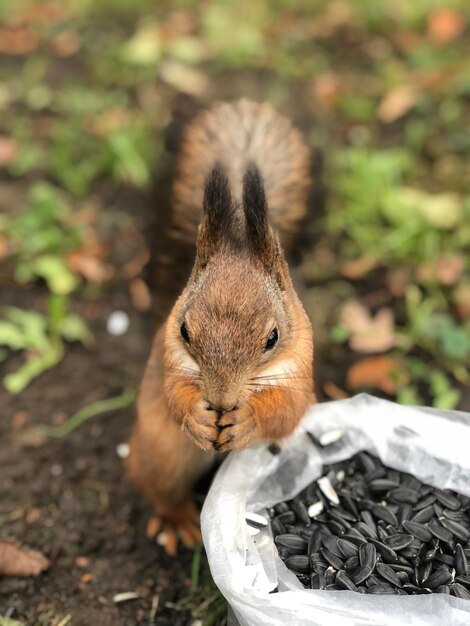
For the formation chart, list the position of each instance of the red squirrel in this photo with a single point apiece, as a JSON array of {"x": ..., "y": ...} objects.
[{"x": 232, "y": 363}]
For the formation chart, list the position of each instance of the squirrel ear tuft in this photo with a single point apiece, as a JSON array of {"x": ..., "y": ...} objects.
[
  {"x": 217, "y": 203},
  {"x": 256, "y": 210}
]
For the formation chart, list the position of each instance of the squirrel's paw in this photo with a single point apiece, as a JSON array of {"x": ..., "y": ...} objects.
[
  {"x": 236, "y": 429},
  {"x": 181, "y": 523},
  {"x": 201, "y": 425}
]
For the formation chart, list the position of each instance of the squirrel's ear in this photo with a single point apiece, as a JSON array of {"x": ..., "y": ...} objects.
[
  {"x": 218, "y": 211},
  {"x": 261, "y": 239}
]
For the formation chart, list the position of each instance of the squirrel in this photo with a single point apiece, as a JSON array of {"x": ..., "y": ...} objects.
[{"x": 231, "y": 365}]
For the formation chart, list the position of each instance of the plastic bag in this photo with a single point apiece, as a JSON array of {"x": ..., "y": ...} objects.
[{"x": 431, "y": 444}]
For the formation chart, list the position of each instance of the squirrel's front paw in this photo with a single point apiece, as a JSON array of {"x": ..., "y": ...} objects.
[
  {"x": 201, "y": 425},
  {"x": 236, "y": 429}
]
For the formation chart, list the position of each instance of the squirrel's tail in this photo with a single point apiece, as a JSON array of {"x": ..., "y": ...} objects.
[{"x": 234, "y": 136}]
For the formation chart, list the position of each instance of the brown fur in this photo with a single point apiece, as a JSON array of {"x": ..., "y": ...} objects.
[{"x": 224, "y": 390}]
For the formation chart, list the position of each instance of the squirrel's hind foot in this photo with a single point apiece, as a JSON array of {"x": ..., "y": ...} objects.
[{"x": 180, "y": 524}]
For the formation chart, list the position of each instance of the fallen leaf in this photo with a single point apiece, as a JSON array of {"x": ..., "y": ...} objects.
[
  {"x": 8, "y": 150},
  {"x": 66, "y": 43},
  {"x": 359, "y": 267},
  {"x": 445, "y": 25},
  {"x": 140, "y": 294},
  {"x": 17, "y": 41},
  {"x": 333, "y": 391},
  {"x": 397, "y": 280},
  {"x": 16, "y": 561},
  {"x": 396, "y": 103},
  {"x": 367, "y": 333},
  {"x": 379, "y": 372},
  {"x": 446, "y": 271},
  {"x": 462, "y": 300}
]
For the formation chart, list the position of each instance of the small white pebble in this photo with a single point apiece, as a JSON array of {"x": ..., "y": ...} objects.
[
  {"x": 315, "y": 509},
  {"x": 340, "y": 476},
  {"x": 56, "y": 469},
  {"x": 162, "y": 539},
  {"x": 123, "y": 450},
  {"x": 125, "y": 597},
  {"x": 118, "y": 323}
]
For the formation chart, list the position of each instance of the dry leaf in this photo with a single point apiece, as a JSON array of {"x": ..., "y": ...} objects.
[
  {"x": 445, "y": 25},
  {"x": 379, "y": 372},
  {"x": 16, "y": 561},
  {"x": 333, "y": 391},
  {"x": 8, "y": 150},
  {"x": 17, "y": 41},
  {"x": 358, "y": 267},
  {"x": 367, "y": 333},
  {"x": 446, "y": 271},
  {"x": 66, "y": 43},
  {"x": 396, "y": 103}
]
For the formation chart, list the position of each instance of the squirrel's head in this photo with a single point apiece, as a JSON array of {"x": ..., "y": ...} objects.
[{"x": 238, "y": 326}]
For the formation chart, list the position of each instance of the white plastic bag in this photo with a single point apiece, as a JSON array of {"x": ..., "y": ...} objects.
[{"x": 430, "y": 444}]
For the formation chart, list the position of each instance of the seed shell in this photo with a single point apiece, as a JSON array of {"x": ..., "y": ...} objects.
[
  {"x": 418, "y": 530},
  {"x": 387, "y": 572}
]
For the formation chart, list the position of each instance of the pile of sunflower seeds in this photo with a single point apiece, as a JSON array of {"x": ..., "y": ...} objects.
[{"x": 371, "y": 529}]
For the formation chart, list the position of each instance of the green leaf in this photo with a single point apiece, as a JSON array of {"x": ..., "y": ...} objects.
[
  {"x": 56, "y": 274},
  {"x": 144, "y": 47},
  {"x": 11, "y": 336},
  {"x": 73, "y": 328},
  {"x": 455, "y": 344},
  {"x": 19, "y": 380},
  {"x": 409, "y": 396},
  {"x": 339, "y": 334}
]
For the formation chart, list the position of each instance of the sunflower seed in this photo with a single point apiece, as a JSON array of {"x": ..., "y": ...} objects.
[
  {"x": 439, "y": 577},
  {"x": 383, "y": 589},
  {"x": 383, "y": 513},
  {"x": 380, "y": 485},
  {"x": 315, "y": 509},
  {"x": 328, "y": 490},
  {"x": 300, "y": 510},
  {"x": 331, "y": 543},
  {"x": 388, "y": 554},
  {"x": 418, "y": 530},
  {"x": 439, "y": 531},
  {"x": 347, "y": 548},
  {"x": 343, "y": 581},
  {"x": 447, "y": 499},
  {"x": 351, "y": 563},
  {"x": 461, "y": 563},
  {"x": 298, "y": 563},
  {"x": 332, "y": 559},
  {"x": 255, "y": 520},
  {"x": 403, "y": 496},
  {"x": 443, "y": 589},
  {"x": 388, "y": 574},
  {"x": 399, "y": 541},
  {"x": 459, "y": 591},
  {"x": 294, "y": 543},
  {"x": 368, "y": 555},
  {"x": 404, "y": 513},
  {"x": 463, "y": 580},
  {"x": 456, "y": 529},
  {"x": 361, "y": 574},
  {"x": 423, "y": 515}
]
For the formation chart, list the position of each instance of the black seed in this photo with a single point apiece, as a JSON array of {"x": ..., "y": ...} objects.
[
  {"x": 349, "y": 505},
  {"x": 315, "y": 542},
  {"x": 399, "y": 541},
  {"x": 459, "y": 591},
  {"x": 332, "y": 559},
  {"x": 366, "y": 461},
  {"x": 300, "y": 510},
  {"x": 347, "y": 548},
  {"x": 384, "y": 514},
  {"x": 281, "y": 507},
  {"x": 388, "y": 554},
  {"x": 424, "y": 515},
  {"x": 447, "y": 559},
  {"x": 331, "y": 543},
  {"x": 294, "y": 543},
  {"x": 423, "y": 573},
  {"x": 404, "y": 513},
  {"x": 402, "y": 577},
  {"x": 387, "y": 590},
  {"x": 403, "y": 496},
  {"x": 400, "y": 567},
  {"x": 388, "y": 574},
  {"x": 379, "y": 485},
  {"x": 357, "y": 540},
  {"x": 448, "y": 500},
  {"x": 366, "y": 530},
  {"x": 461, "y": 563},
  {"x": 298, "y": 563},
  {"x": 361, "y": 574},
  {"x": 352, "y": 563},
  {"x": 438, "y": 510},
  {"x": 288, "y": 517},
  {"x": 368, "y": 555},
  {"x": 456, "y": 529},
  {"x": 458, "y": 516},
  {"x": 418, "y": 530},
  {"x": 428, "y": 555},
  {"x": 343, "y": 580},
  {"x": 292, "y": 530},
  {"x": 443, "y": 589},
  {"x": 463, "y": 580},
  {"x": 439, "y": 577},
  {"x": 320, "y": 568},
  {"x": 439, "y": 531},
  {"x": 277, "y": 527}
]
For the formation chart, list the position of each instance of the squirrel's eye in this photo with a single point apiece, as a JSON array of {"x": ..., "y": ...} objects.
[
  {"x": 184, "y": 333},
  {"x": 272, "y": 339}
]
